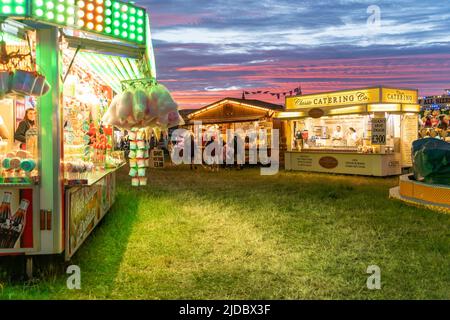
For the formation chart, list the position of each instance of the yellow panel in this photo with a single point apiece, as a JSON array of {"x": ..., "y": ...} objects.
[
  {"x": 384, "y": 108},
  {"x": 334, "y": 99},
  {"x": 392, "y": 95}
]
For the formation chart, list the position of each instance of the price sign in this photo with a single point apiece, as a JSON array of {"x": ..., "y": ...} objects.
[{"x": 379, "y": 131}]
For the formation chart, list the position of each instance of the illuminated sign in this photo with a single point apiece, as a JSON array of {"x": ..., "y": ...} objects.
[
  {"x": 333, "y": 99},
  {"x": 353, "y": 97},
  {"x": 399, "y": 96},
  {"x": 111, "y": 18},
  {"x": 16, "y": 8}
]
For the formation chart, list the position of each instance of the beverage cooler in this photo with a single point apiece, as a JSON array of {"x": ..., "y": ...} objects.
[{"x": 61, "y": 64}]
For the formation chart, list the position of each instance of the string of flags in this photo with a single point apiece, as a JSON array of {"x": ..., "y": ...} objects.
[{"x": 297, "y": 91}]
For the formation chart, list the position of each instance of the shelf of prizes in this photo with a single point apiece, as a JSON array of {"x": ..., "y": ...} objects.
[{"x": 60, "y": 74}]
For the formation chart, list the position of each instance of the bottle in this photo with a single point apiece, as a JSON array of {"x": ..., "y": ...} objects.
[
  {"x": 5, "y": 216},
  {"x": 18, "y": 223}
]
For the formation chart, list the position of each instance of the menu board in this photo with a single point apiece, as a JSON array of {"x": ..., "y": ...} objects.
[
  {"x": 410, "y": 129},
  {"x": 379, "y": 131},
  {"x": 157, "y": 158}
]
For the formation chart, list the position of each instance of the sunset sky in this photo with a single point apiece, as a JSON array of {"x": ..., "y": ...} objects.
[{"x": 207, "y": 50}]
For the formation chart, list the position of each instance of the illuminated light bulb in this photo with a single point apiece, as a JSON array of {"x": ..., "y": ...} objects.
[
  {"x": 99, "y": 1},
  {"x": 133, "y": 11},
  {"x": 132, "y": 19},
  {"x": 133, "y": 28},
  {"x": 90, "y": 7},
  {"x": 99, "y": 19},
  {"x": 90, "y": 25},
  {"x": 108, "y": 30},
  {"x": 140, "y": 38},
  {"x": 81, "y": 13},
  {"x": 60, "y": 18},
  {"x": 19, "y": 1},
  {"x": 132, "y": 36},
  {"x": 71, "y": 2},
  {"x": 116, "y": 15},
  {"x": 140, "y": 21},
  {"x": 124, "y": 16},
  {"x": 99, "y": 28},
  {"x": 6, "y": 9},
  {"x": 60, "y": 8},
  {"x": 108, "y": 21},
  {"x": 50, "y": 5},
  {"x": 124, "y": 34},
  {"x": 116, "y": 5},
  {"x": 116, "y": 23},
  {"x": 124, "y": 8},
  {"x": 50, "y": 15},
  {"x": 20, "y": 10},
  {"x": 39, "y": 3},
  {"x": 108, "y": 12},
  {"x": 80, "y": 23},
  {"x": 99, "y": 10},
  {"x": 39, "y": 12},
  {"x": 140, "y": 30},
  {"x": 81, "y": 4},
  {"x": 140, "y": 13},
  {"x": 90, "y": 16},
  {"x": 116, "y": 32},
  {"x": 70, "y": 11},
  {"x": 108, "y": 3},
  {"x": 70, "y": 21},
  {"x": 125, "y": 25},
  {"x": 6, "y": 1}
]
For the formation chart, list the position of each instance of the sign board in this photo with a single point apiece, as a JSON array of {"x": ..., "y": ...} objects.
[
  {"x": 399, "y": 96},
  {"x": 157, "y": 158},
  {"x": 334, "y": 99},
  {"x": 379, "y": 131},
  {"x": 409, "y": 134},
  {"x": 86, "y": 206},
  {"x": 378, "y": 165}
]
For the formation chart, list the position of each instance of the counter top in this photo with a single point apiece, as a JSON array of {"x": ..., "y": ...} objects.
[
  {"x": 341, "y": 152},
  {"x": 92, "y": 179}
]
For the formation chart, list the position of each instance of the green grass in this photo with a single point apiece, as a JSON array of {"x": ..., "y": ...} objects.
[{"x": 239, "y": 235}]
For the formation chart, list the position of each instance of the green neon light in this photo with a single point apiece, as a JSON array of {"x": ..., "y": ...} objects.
[
  {"x": 114, "y": 18},
  {"x": 15, "y": 8}
]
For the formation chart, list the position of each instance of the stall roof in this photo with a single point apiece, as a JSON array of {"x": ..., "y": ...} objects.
[{"x": 258, "y": 104}]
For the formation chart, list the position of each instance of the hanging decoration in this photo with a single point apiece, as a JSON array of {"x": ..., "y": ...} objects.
[
  {"x": 18, "y": 73},
  {"x": 296, "y": 91},
  {"x": 143, "y": 105}
]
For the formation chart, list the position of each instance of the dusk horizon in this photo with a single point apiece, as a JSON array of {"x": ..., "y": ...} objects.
[{"x": 206, "y": 52}]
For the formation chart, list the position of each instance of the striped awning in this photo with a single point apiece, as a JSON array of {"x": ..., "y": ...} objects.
[{"x": 111, "y": 69}]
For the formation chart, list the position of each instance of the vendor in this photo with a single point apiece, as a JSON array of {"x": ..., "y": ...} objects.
[
  {"x": 26, "y": 124},
  {"x": 352, "y": 138},
  {"x": 338, "y": 137}
]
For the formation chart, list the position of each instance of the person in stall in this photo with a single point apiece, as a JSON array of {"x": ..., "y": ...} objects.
[
  {"x": 338, "y": 137},
  {"x": 26, "y": 124},
  {"x": 352, "y": 138}
]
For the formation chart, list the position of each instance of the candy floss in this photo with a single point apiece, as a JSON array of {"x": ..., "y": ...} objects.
[{"x": 138, "y": 109}]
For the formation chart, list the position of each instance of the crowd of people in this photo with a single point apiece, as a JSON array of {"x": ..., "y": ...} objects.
[{"x": 435, "y": 119}]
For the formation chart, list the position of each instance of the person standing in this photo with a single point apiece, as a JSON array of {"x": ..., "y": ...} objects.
[{"x": 26, "y": 124}]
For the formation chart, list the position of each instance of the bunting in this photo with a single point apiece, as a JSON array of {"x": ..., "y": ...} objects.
[{"x": 297, "y": 91}]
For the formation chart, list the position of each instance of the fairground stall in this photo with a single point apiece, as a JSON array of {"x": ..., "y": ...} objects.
[
  {"x": 237, "y": 115},
  {"x": 62, "y": 62},
  {"x": 365, "y": 131}
]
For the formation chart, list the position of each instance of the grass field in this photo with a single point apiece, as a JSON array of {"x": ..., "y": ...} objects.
[{"x": 239, "y": 235}]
